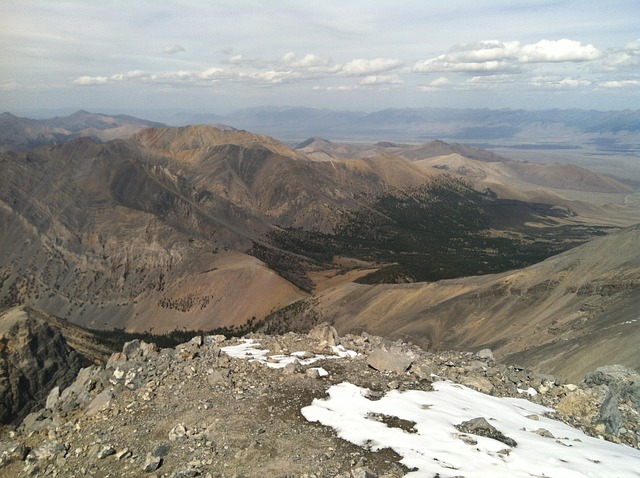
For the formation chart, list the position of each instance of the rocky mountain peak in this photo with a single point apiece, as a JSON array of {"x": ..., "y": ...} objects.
[{"x": 323, "y": 405}]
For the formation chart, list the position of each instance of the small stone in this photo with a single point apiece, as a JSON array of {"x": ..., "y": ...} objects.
[
  {"x": 105, "y": 451},
  {"x": 151, "y": 463},
  {"x": 480, "y": 426},
  {"x": 124, "y": 454},
  {"x": 177, "y": 432},
  {"x": 543, "y": 432},
  {"x": 188, "y": 473}
]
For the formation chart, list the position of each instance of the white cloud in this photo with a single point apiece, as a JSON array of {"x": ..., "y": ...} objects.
[
  {"x": 173, "y": 49},
  {"x": 620, "y": 84},
  {"x": 210, "y": 73},
  {"x": 135, "y": 74},
  {"x": 381, "y": 80},
  {"x": 557, "y": 51},
  {"x": 494, "y": 55},
  {"x": 435, "y": 85},
  {"x": 91, "y": 80},
  {"x": 556, "y": 82},
  {"x": 362, "y": 67},
  {"x": 625, "y": 57},
  {"x": 310, "y": 60}
]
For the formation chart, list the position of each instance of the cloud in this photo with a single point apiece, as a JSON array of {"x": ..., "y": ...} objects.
[
  {"x": 210, "y": 73},
  {"x": 436, "y": 84},
  {"x": 556, "y": 82},
  {"x": 381, "y": 80},
  {"x": 621, "y": 58},
  {"x": 620, "y": 84},
  {"x": 310, "y": 60},
  {"x": 494, "y": 55},
  {"x": 557, "y": 51},
  {"x": 173, "y": 49},
  {"x": 363, "y": 67},
  {"x": 91, "y": 80},
  {"x": 135, "y": 74}
]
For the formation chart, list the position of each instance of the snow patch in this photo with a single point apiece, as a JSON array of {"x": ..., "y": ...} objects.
[
  {"x": 436, "y": 447},
  {"x": 249, "y": 349}
]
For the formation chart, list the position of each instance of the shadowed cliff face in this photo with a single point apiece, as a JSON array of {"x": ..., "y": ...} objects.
[{"x": 33, "y": 359}]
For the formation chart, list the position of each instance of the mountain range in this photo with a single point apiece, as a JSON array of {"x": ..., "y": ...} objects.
[
  {"x": 202, "y": 227},
  {"x": 20, "y": 134}
]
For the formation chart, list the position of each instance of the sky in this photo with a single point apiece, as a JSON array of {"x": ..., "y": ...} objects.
[{"x": 218, "y": 56}]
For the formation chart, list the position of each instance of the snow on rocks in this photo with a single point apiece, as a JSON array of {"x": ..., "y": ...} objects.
[
  {"x": 506, "y": 443},
  {"x": 250, "y": 349},
  {"x": 217, "y": 407}
]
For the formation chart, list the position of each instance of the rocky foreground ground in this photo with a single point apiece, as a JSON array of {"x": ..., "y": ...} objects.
[{"x": 200, "y": 410}]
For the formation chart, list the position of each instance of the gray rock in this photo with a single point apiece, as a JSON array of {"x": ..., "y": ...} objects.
[
  {"x": 543, "y": 432},
  {"x": 151, "y": 463},
  {"x": 11, "y": 451},
  {"x": 161, "y": 450},
  {"x": 116, "y": 359},
  {"x": 363, "y": 472},
  {"x": 481, "y": 427},
  {"x": 52, "y": 398},
  {"x": 325, "y": 334},
  {"x": 187, "y": 473},
  {"x": 482, "y": 384},
  {"x": 485, "y": 354},
  {"x": 89, "y": 382},
  {"x": 105, "y": 451},
  {"x": 99, "y": 403},
  {"x": 177, "y": 432},
  {"x": 623, "y": 385},
  {"x": 394, "y": 359},
  {"x": 47, "y": 451}
]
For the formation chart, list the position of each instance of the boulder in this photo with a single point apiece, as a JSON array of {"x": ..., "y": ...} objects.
[
  {"x": 325, "y": 334},
  {"x": 393, "y": 359}
]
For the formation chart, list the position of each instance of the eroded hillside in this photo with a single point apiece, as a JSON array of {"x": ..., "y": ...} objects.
[{"x": 199, "y": 227}]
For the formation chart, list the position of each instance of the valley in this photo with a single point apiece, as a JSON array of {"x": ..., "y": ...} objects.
[{"x": 202, "y": 228}]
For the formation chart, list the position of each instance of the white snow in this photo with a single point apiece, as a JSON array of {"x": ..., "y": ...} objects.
[
  {"x": 436, "y": 446},
  {"x": 249, "y": 348}
]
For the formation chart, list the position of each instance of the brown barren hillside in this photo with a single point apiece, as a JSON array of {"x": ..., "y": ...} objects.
[{"x": 568, "y": 314}]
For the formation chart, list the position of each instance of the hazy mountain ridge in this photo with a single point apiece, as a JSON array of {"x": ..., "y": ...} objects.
[
  {"x": 21, "y": 134},
  {"x": 419, "y": 124}
]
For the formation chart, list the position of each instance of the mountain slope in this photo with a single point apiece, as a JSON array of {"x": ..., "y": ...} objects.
[
  {"x": 567, "y": 314},
  {"x": 156, "y": 231}
]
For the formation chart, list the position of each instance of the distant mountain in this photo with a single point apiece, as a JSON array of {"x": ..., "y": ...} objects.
[
  {"x": 608, "y": 130},
  {"x": 198, "y": 227},
  {"x": 20, "y": 134}
]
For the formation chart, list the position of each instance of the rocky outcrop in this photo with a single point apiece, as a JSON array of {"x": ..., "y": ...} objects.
[
  {"x": 34, "y": 358},
  {"x": 230, "y": 407}
]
